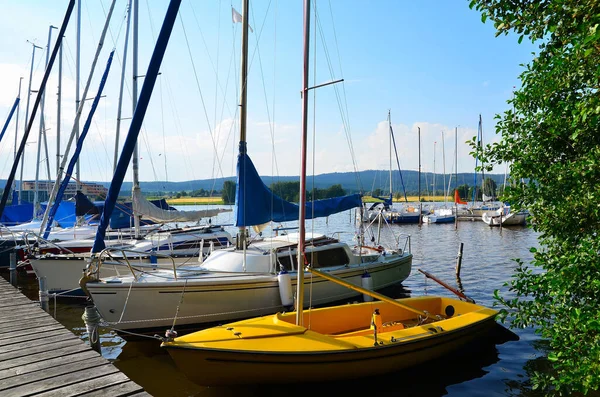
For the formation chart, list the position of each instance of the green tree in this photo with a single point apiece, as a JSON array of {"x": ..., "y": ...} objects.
[
  {"x": 228, "y": 193},
  {"x": 463, "y": 192},
  {"x": 335, "y": 191},
  {"x": 376, "y": 192},
  {"x": 288, "y": 191},
  {"x": 550, "y": 138},
  {"x": 489, "y": 187}
]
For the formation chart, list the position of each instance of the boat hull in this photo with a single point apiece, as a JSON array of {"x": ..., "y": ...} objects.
[
  {"x": 221, "y": 366},
  {"x": 216, "y": 297}
]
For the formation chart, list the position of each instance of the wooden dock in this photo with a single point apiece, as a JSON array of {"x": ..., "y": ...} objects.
[{"x": 40, "y": 357}]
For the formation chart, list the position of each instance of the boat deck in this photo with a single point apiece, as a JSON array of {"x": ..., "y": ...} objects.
[{"x": 39, "y": 356}]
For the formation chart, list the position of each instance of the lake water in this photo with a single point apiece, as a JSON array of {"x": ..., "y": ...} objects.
[{"x": 491, "y": 369}]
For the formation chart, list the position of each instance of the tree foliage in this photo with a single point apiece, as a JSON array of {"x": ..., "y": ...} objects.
[
  {"x": 228, "y": 193},
  {"x": 551, "y": 140}
]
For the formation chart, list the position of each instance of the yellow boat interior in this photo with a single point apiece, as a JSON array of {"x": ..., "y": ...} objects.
[{"x": 346, "y": 327}]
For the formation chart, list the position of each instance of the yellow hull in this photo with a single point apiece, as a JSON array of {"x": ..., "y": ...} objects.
[{"x": 337, "y": 343}]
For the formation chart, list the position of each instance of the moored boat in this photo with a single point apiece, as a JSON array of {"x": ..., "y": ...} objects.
[{"x": 339, "y": 342}]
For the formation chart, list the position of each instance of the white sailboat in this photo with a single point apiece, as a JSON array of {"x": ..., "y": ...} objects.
[
  {"x": 504, "y": 217},
  {"x": 444, "y": 214},
  {"x": 255, "y": 277}
]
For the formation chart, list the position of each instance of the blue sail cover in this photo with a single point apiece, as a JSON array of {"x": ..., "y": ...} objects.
[
  {"x": 16, "y": 214},
  {"x": 12, "y": 110},
  {"x": 257, "y": 204}
]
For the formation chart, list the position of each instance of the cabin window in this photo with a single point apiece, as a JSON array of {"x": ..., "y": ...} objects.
[{"x": 326, "y": 258}]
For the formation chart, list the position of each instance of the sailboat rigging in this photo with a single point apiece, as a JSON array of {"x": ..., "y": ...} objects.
[{"x": 243, "y": 280}]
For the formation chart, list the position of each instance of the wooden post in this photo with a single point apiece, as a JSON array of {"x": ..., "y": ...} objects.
[
  {"x": 44, "y": 294},
  {"x": 91, "y": 318},
  {"x": 459, "y": 260},
  {"x": 13, "y": 268}
]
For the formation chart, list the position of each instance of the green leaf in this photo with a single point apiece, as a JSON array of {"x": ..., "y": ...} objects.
[
  {"x": 483, "y": 17},
  {"x": 521, "y": 39}
]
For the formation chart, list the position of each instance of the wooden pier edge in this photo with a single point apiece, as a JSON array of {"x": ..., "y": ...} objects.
[{"x": 40, "y": 357}]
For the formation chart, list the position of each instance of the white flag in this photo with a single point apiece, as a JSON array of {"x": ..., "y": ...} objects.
[{"x": 237, "y": 17}]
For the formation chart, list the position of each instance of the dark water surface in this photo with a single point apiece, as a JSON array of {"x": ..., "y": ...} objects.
[{"x": 500, "y": 368}]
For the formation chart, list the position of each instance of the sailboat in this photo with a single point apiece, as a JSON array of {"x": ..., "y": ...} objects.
[
  {"x": 331, "y": 343},
  {"x": 406, "y": 213},
  {"x": 444, "y": 214},
  {"x": 505, "y": 217},
  {"x": 255, "y": 277}
]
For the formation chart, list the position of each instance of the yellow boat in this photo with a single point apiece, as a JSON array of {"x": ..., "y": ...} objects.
[{"x": 337, "y": 342}]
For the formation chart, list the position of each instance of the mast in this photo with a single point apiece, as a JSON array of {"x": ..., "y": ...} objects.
[
  {"x": 27, "y": 113},
  {"x": 434, "y": 170},
  {"x": 420, "y": 204},
  {"x": 122, "y": 85},
  {"x": 444, "y": 168},
  {"x": 476, "y": 161},
  {"x": 390, "y": 139},
  {"x": 58, "y": 106},
  {"x": 302, "y": 203},
  {"x": 455, "y": 175},
  {"x": 14, "y": 184},
  {"x": 242, "y": 237},
  {"x": 41, "y": 134},
  {"x": 13, "y": 170},
  {"x": 136, "y": 123},
  {"x": 134, "y": 94},
  {"x": 75, "y": 130},
  {"x": 77, "y": 98}
]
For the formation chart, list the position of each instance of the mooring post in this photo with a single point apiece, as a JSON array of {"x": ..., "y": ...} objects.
[
  {"x": 91, "y": 318},
  {"x": 459, "y": 260},
  {"x": 13, "y": 268},
  {"x": 44, "y": 295}
]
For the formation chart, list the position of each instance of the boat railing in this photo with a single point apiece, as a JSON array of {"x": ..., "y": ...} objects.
[
  {"x": 6, "y": 231},
  {"x": 406, "y": 238},
  {"x": 40, "y": 240},
  {"x": 107, "y": 257}
]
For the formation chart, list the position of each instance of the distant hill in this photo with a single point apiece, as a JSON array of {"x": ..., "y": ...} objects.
[{"x": 351, "y": 182}]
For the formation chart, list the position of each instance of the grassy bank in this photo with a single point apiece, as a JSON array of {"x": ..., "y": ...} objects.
[{"x": 195, "y": 201}]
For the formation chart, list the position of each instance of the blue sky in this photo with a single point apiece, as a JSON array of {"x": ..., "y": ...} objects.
[{"x": 434, "y": 64}]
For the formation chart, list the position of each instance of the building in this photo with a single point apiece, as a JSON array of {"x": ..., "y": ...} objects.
[{"x": 92, "y": 190}]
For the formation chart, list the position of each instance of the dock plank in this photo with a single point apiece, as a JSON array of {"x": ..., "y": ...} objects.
[
  {"x": 39, "y": 376},
  {"x": 43, "y": 364},
  {"x": 42, "y": 339},
  {"x": 39, "y": 356},
  {"x": 77, "y": 377},
  {"x": 92, "y": 385},
  {"x": 23, "y": 341},
  {"x": 19, "y": 361},
  {"x": 121, "y": 389},
  {"x": 27, "y": 331}
]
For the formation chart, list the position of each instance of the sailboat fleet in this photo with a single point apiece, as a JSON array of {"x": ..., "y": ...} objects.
[{"x": 197, "y": 276}]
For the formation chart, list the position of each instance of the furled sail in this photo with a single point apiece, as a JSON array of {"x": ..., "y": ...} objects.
[
  {"x": 150, "y": 211},
  {"x": 256, "y": 204}
]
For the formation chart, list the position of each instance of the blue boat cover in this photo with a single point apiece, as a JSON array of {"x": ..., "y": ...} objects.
[
  {"x": 257, "y": 204},
  {"x": 16, "y": 214},
  {"x": 83, "y": 205}
]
